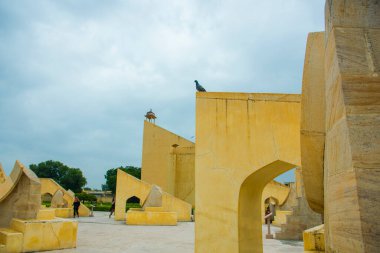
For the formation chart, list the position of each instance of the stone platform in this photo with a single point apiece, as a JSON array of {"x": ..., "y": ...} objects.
[{"x": 100, "y": 234}]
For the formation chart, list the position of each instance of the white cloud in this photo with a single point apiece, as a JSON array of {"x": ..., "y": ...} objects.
[{"x": 76, "y": 77}]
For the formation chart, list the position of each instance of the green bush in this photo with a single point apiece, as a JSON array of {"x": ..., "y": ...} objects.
[
  {"x": 132, "y": 205},
  {"x": 46, "y": 203},
  {"x": 85, "y": 197},
  {"x": 105, "y": 207}
]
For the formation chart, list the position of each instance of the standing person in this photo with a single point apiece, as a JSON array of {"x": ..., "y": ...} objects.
[
  {"x": 112, "y": 209},
  {"x": 267, "y": 211},
  {"x": 76, "y": 205}
]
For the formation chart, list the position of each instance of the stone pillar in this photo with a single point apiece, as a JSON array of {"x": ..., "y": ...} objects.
[{"x": 352, "y": 149}]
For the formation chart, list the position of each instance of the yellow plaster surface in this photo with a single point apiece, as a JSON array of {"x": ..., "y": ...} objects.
[
  {"x": 11, "y": 239},
  {"x": 5, "y": 183},
  {"x": 142, "y": 217},
  {"x": 274, "y": 191},
  {"x": 313, "y": 120},
  {"x": 314, "y": 239},
  {"x": 280, "y": 217},
  {"x": 168, "y": 161},
  {"x": 128, "y": 186},
  {"x": 48, "y": 185},
  {"x": 183, "y": 162},
  {"x": 46, "y": 235},
  {"x": 64, "y": 212},
  {"x": 243, "y": 141},
  {"x": 173, "y": 204},
  {"x": 46, "y": 214},
  {"x": 23, "y": 198}
]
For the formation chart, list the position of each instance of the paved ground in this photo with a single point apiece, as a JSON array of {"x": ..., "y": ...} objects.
[{"x": 103, "y": 235}]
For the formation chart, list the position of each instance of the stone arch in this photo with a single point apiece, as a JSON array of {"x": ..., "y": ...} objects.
[
  {"x": 133, "y": 199},
  {"x": 244, "y": 140},
  {"x": 249, "y": 206},
  {"x": 48, "y": 185},
  {"x": 126, "y": 187},
  {"x": 46, "y": 197}
]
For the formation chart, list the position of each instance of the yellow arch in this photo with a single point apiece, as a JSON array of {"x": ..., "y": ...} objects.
[{"x": 244, "y": 140}]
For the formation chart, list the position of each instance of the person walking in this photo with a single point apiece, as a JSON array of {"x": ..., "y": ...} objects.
[
  {"x": 112, "y": 209},
  {"x": 76, "y": 205}
]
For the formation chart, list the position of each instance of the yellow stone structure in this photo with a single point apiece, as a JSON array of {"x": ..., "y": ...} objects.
[
  {"x": 46, "y": 214},
  {"x": 314, "y": 239},
  {"x": 128, "y": 186},
  {"x": 313, "y": 121},
  {"x": 244, "y": 140},
  {"x": 46, "y": 235},
  {"x": 276, "y": 194},
  {"x": 24, "y": 226},
  {"x": 49, "y": 186},
  {"x": 341, "y": 145},
  {"x": 302, "y": 217},
  {"x": 168, "y": 160},
  {"x": 152, "y": 216},
  {"x": 20, "y": 195},
  {"x": 280, "y": 217}
]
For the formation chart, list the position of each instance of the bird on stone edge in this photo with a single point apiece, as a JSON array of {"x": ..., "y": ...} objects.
[{"x": 199, "y": 87}]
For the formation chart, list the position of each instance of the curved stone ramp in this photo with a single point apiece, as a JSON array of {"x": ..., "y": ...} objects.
[
  {"x": 5, "y": 183},
  {"x": 128, "y": 186},
  {"x": 50, "y": 186},
  {"x": 275, "y": 191},
  {"x": 19, "y": 195}
]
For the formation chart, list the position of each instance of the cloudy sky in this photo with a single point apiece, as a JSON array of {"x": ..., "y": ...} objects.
[{"x": 77, "y": 76}]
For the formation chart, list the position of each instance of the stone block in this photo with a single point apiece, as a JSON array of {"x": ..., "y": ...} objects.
[
  {"x": 280, "y": 217},
  {"x": 314, "y": 239},
  {"x": 46, "y": 214},
  {"x": 11, "y": 239},
  {"x": 154, "y": 198},
  {"x": 23, "y": 199},
  {"x": 353, "y": 13},
  {"x": 46, "y": 235},
  {"x": 57, "y": 199},
  {"x": 154, "y": 209},
  {"x": 140, "y": 217},
  {"x": 64, "y": 212}
]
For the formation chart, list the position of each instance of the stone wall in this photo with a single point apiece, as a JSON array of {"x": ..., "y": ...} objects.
[
  {"x": 23, "y": 199},
  {"x": 243, "y": 141},
  {"x": 168, "y": 161},
  {"x": 351, "y": 88}
]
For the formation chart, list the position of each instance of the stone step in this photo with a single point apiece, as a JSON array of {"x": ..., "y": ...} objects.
[
  {"x": 11, "y": 239},
  {"x": 293, "y": 226},
  {"x": 288, "y": 236},
  {"x": 2, "y": 248}
]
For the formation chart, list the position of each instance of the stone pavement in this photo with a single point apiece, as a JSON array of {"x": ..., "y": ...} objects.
[{"x": 100, "y": 234}]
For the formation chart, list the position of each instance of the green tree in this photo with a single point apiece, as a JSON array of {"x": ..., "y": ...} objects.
[
  {"x": 86, "y": 197},
  {"x": 68, "y": 178},
  {"x": 111, "y": 174},
  {"x": 73, "y": 180}
]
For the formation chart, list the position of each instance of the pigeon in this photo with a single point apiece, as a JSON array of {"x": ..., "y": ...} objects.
[{"x": 199, "y": 87}]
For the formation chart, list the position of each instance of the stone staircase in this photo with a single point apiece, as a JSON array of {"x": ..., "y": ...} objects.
[
  {"x": 301, "y": 219},
  {"x": 2, "y": 248},
  {"x": 10, "y": 240}
]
